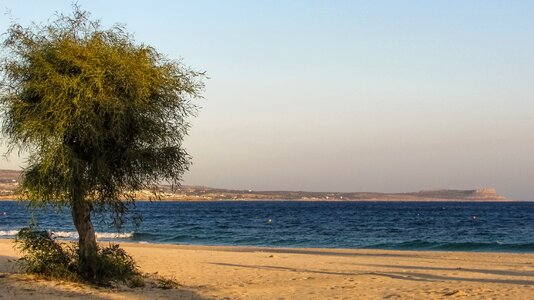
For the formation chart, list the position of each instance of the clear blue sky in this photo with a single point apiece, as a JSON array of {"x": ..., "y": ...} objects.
[{"x": 346, "y": 95}]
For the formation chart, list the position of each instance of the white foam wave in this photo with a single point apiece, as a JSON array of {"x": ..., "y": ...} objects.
[
  {"x": 65, "y": 234},
  {"x": 114, "y": 235},
  {"x": 99, "y": 235},
  {"x": 74, "y": 234},
  {"x": 8, "y": 232}
]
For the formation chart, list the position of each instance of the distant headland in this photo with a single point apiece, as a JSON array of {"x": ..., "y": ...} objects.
[{"x": 9, "y": 180}]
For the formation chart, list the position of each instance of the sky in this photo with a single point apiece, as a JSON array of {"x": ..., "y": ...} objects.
[{"x": 386, "y": 96}]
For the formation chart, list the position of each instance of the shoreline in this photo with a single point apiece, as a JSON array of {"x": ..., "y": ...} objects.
[
  {"x": 242, "y": 248},
  {"x": 236, "y": 272}
]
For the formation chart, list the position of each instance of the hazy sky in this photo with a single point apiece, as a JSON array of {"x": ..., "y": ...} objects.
[{"x": 345, "y": 95}]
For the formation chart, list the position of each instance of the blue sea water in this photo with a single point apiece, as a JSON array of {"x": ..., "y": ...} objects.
[{"x": 451, "y": 226}]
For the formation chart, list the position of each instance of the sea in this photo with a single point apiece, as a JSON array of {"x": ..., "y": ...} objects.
[{"x": 439, "y": 226}]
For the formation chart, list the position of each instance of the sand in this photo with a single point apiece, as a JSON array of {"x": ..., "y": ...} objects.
[{"x": 206, "y": 272}]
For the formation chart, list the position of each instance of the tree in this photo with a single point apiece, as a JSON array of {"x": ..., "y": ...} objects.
[{"x": 99, "y": 115}]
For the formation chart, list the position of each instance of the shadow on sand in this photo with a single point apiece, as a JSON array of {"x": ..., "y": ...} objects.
[
  {"x": 14, "y": 285},
  {"x": 409, "y": 276}
]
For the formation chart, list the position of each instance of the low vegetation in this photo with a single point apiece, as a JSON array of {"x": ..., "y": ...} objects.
[{"x": 43, "y": 255}]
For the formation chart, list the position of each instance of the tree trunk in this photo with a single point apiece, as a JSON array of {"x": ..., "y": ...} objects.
[{"x": 81, "y": 215}]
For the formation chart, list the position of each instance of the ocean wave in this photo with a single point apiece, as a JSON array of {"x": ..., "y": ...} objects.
[
  {"x": 99, "y": 235},
  {"x": 8, "y": 232},
  {"x": 74, "y": 235}
]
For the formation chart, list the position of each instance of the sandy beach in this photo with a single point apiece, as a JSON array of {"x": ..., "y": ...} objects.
[{"x": 208, "y": 272}]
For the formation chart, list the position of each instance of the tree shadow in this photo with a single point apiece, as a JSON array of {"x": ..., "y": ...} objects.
[
  {"x": 300, "y": 270},
  {"x": 465, "y": 279},
  {"x": 8, "y": 264},
  {"x": 19, "y": 287},
  {"x": 15, "y": 285},
  {"x": 409, "y": 276},
  {"x": 459, "y": 269}
]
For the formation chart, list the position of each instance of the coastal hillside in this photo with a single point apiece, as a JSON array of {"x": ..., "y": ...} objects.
[{"x": 9, "y": 180}]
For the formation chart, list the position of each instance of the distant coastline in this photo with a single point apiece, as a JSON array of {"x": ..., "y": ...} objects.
[
  {"x": 200, "y": 193},
  {"x": 9, "y": 181}
]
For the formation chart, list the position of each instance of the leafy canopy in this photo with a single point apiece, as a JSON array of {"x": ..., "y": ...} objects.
[{"x": 99, "y": 115}]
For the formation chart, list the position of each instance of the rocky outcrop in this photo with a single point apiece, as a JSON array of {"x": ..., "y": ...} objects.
[{"x": 478, "y": 194}]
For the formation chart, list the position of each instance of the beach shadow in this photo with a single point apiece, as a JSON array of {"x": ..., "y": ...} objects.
[
  {"x": 464, "y": 279},
  {"x": 20, "y": 288},
  {"x": 14, "y": 285},
  {"x": 8, "y": 264},
  {"x": 409, "y": 276},
  {"x": 482, "y": 271},
  {"x": 297, "y": 270}
]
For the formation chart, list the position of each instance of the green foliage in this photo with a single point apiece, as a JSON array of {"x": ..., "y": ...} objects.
[
  {"x": 99, "y": 115},
  {"x": 114, "y": 264},
  {"x": 44, "y": 256}
]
